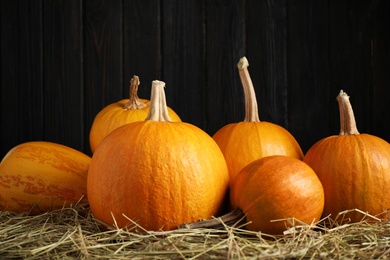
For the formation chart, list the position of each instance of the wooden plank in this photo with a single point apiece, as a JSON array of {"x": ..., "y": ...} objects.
[
  {"x": 21, "y": 117},
  {"x": 225, "y": 45},
  {"x": 183, "y": 59},
  {"x": 63, "y": 61},
  {"x": 103, "y": 58},
  {"x": 142, "y": 44},
  {"x": 267, "y": 54},
  {"x": 62, "y": 71},
  {"x": 350, "y": 58},
  {"x": 380, "y": 62},
  {"x": 308, "y": 71}
]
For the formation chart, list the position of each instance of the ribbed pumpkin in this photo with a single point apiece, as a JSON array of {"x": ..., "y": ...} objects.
[
  {"x": 244, "y": 142},
  {"x": 269, "y": 193},
  {"x": 354, "y": 168},
  {"x": 40, "y": 176},
  {"x": 156, "y": 172},
  {"x": 120, "y": 113}
]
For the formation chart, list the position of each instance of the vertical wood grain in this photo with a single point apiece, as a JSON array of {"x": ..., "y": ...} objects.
[
  {"x": 380, "y": 62},
  {"x": 62, "y": 73},
  {"x": 21, "y": 95},
  {"x": 225, "y": 45},
  {"x": 142, "y": 44},
  {"x": 183, "y": 59},
  {"x": 308, "y": 71},
  {"x": 103, "y": 58},
  {"x": 62, "y": 61},
  {"x": 350, "y": 58},
  {"x": 267, "y": 54}
]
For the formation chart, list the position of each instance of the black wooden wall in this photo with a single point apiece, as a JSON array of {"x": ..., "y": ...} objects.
[{"x": 64, "y": 60}]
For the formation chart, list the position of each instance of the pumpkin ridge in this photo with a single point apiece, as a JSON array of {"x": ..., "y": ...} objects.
[
  {"x": 353, "y": 168},
  {"x": 225, "y": 144},
  {"x": 120, "y": 113},
  {"x": 39, "y": 176},
  {"x": 369, "y": 177},
  {"x": 240, "y": 144},
  {"x": 252, "y": 154},
  {"x": 172, "y": 177},
  {"x": 271, "y": 188},
  {"x": 170, "y": 184}
]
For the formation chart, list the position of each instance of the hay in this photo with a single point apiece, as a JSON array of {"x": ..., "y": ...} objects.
[{"x": 72, "y": 233}]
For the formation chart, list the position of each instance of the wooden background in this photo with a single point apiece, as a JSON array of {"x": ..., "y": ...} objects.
[{"x": 62, "y": 61}]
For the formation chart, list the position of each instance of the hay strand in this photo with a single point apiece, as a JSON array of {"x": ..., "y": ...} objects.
[{"x": 73, "y": 233}]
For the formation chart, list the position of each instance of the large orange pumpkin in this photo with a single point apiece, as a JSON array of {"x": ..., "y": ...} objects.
[
  {"x": 271, "y": 194},
  {"x": 120, "y": 113},
  {"x": 354, "y": 168},
  {"x": 156, "y": 172},
  {"x": 244, "y": 142},
  {"x": 40, "y": 176}
]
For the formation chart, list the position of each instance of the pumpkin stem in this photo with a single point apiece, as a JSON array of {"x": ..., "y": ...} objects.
[
  {"x": 347, "y": 117},
  {"x": 251, "y": 110},
  {"x": 134, "y": 101},
  {"x": 231, "y": 219},
  {"x": 158, "y": 110}
]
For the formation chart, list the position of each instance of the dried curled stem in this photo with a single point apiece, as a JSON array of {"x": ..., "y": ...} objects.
[
  {"x": 251, "y": 110},
  {"x": 347, "y": 117},
  {"x": 134, "y": 101}
]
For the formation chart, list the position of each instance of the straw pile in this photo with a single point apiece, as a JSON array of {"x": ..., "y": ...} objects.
[{"x": 72, "y": 233}]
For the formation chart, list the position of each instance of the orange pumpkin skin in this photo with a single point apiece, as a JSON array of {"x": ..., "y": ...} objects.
[
  {"x": 244, "y": 142},
  {"x": 121, "y": 113},
  {"x": 40, "y": 176},
  {"x": 159, "y": 174},
  {"x": 355, "y": 173},
  {"x": 115, "y": 115},
  {"x": 275, "y": 188}
]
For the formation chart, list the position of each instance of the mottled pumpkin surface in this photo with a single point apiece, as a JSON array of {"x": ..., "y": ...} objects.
[
  {"x": 41, "y": 176},
  {"x": 158, "y": 174},
  {"x": 275, "y": 188}
]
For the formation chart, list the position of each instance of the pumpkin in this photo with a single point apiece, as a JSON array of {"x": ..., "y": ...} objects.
[
  {"x": 120, "y": 113},
  {"x": 244, "y": 142},
  {"x": 270, "y": 193},
  {"x": 354, "y": 168},
  {"x": 40, "y": 176},
  {"x": 156, "y": 172}
]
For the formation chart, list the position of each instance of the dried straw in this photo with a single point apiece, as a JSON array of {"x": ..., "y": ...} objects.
[{"x": 72, "y": 233}]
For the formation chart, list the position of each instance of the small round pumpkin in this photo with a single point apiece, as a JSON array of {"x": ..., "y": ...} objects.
[
  {"x": 157, "y": 173},
  {"x": 39, "y": 176},
  {"x": 354, "y": 168},
  {"x": 270, "y": 195},
  {"x": 120, "y": 113},
  {"x": 244, "y": 142},
  {"x": 276, "y": 188}
]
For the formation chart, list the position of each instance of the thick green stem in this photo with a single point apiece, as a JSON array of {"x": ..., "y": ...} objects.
[
  {"x": 134, "y": 101},
  {"x": 251, "y": 110},
  {"x": 347, "y": 117},
  {"x": 158, "y": 110}
]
